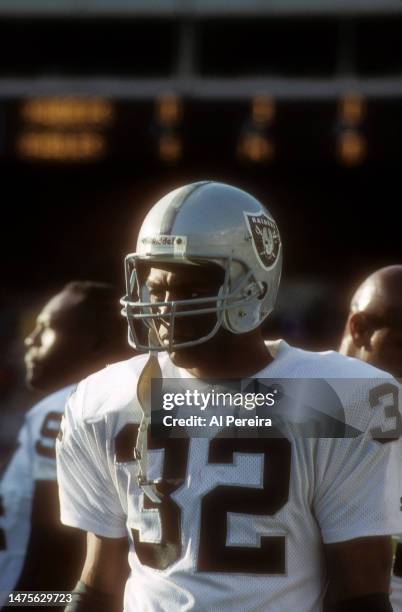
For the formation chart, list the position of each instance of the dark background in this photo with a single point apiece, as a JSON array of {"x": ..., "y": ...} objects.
[{"x": 65, "y": 219}]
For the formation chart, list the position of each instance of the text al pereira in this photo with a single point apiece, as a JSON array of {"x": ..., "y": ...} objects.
[{"x": 215, "y": 421}]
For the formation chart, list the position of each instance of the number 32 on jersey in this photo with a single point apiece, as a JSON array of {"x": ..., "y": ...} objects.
[{"x": 213, "y": 554}]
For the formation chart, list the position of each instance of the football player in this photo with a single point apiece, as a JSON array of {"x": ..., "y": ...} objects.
[
  {"x": 373, "y": 330},
  {"x": 78, "y": 331},
  {"x": 373, "y": 333},
  {"x": 222, "y": 523}
]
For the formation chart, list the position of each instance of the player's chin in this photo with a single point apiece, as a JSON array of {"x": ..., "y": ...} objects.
[
  {"x": 182, "y": 358},
  {"x": 188, "y": 356},
  {"x": 180, "y": 338},
  {"x": 32, "y": 379},
  {"x": 37, "y": 380},
  {"x": 31, "y": 373}
]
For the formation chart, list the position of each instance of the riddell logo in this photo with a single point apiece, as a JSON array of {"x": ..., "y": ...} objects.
[
  {"x": 265, "y": 238},
  {"x": 175, "y": 245},
  {"x": 160, "y": 240}
]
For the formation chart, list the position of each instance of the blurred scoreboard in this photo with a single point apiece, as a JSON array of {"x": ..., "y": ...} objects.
[{"x": 255, "y": 81}]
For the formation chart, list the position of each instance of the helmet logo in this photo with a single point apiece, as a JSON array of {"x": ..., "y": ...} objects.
[{"x": 265, "y": 238}]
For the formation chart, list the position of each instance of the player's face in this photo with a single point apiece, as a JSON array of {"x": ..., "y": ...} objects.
[
  {"x": 386, "y": 350},
  {"x": 56, "y": 346},
  {"x": 168, "y": 282}
]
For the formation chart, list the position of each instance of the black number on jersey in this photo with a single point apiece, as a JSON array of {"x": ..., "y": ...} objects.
[
  {"x": 3, "y": 545},
  {"x": 159, "y": 555},
  {"x": 390, "y": 411},
  {"x": 214, "y": 555},
  {"x": 49, "y": 430},
  {"x": 270, "y": 556},
  {"x": 163, "y": 554}
]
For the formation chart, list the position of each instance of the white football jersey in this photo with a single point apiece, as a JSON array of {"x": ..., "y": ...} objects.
[
  {"x": 33, "y": 460},
  {"x": 242, "y": 521}
]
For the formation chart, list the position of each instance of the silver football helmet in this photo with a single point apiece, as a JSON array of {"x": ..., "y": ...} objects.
[{"x": 200, "y": 223}]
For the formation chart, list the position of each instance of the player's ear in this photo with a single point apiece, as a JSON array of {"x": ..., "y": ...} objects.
[{"x": 361, "y": 330}]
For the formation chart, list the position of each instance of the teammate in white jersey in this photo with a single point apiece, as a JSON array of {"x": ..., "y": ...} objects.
[
  {"x": 68, "y": 342},
  {"x": 228, "y": 523},
  {"x": 373, "y": 333}
]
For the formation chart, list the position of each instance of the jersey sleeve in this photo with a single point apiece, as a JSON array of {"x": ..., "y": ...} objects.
[
  {"x": 357, "y": 488},
  {"x": 88, "y": 495}
]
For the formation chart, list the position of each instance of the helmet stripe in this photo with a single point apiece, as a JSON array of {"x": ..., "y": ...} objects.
[{"x": 176, "y": 204}]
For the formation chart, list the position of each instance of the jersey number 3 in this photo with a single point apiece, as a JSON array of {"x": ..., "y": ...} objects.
[{"x": 214, "y": 555}]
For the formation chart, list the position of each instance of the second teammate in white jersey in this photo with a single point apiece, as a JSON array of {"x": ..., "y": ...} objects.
[
  {"x": 241, "y": 524},
  {"x": 26, "y": 488},
  {"x": 36, "y": 552},
  {"x": 373, "y": 333}
]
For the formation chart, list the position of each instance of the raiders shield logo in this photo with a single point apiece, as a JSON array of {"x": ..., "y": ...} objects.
[{"x": 265, "y": 238}]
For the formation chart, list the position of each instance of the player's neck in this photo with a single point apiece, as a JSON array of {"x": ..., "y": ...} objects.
[
  {"x": 347, "y": 347},
  {"x": 236, "y": 358}
]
